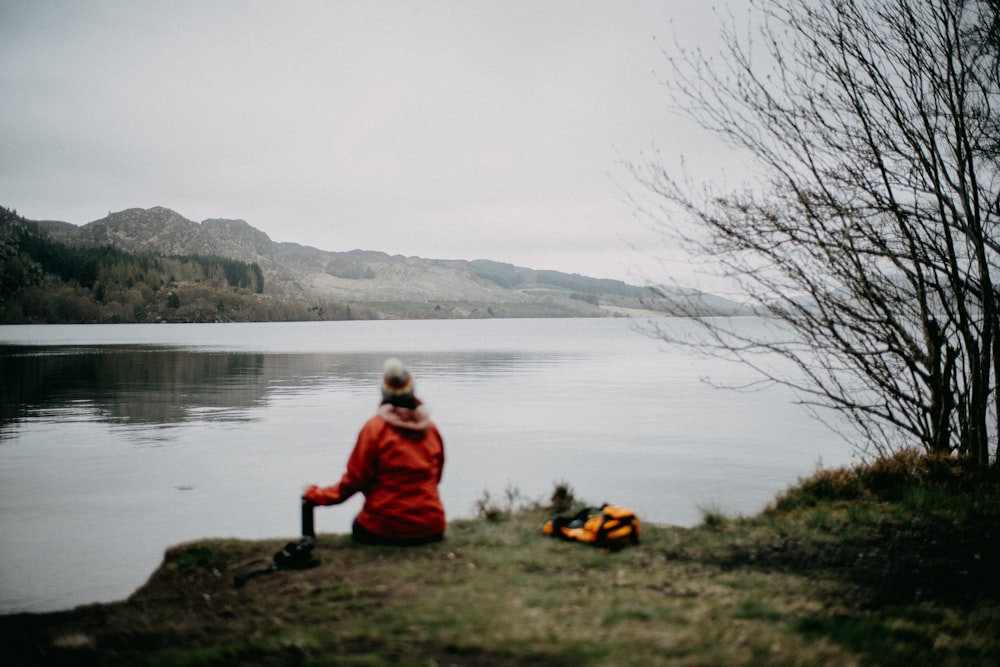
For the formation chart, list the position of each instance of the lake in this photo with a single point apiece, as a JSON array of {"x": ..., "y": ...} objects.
[{"x": 118, "y": 441}]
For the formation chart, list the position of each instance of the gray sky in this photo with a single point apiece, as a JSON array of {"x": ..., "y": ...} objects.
[{"x": 458, "y": 129}]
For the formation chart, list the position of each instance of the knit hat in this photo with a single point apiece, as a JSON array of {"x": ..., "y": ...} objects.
[{"x": 397, "y": 383}]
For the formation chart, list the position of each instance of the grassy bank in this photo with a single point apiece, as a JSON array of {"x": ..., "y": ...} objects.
[{"x": 893, "y": 564}]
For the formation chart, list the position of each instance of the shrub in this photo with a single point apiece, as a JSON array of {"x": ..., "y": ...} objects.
[
  {"x": 824, "y": 486},
  {"x": 562, "y": 498}
]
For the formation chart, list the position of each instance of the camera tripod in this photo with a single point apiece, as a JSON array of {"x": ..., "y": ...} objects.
[{"x": 295, "y": 555}]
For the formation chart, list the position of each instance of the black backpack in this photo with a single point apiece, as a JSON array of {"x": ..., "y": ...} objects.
[{"x": 295, "y": 556}]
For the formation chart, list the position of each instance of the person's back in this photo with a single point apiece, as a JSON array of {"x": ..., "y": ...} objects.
[{"x": 397, "y": 463}]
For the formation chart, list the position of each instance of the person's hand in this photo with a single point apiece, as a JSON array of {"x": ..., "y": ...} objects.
[{"x": 313, "y": 494}]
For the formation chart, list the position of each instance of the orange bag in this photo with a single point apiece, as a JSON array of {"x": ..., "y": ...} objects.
[{"x": 611, "y": 527}]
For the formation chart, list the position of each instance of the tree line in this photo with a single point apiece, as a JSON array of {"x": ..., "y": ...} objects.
[{"x": 45, "y": 281}]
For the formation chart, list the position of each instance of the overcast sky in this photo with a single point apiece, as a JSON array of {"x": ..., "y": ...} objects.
[{"x": 457, "y": 129}]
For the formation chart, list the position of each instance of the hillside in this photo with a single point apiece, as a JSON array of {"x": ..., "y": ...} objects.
[{"x": 372, "y": 284}]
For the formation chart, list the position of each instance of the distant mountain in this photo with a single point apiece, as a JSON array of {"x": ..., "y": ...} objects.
[{"x": 375, "y": 284}]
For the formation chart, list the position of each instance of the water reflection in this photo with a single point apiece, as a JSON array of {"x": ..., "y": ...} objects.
[
  {"x": 145, "y": 386},
  {"x": 139, "y": 386}
]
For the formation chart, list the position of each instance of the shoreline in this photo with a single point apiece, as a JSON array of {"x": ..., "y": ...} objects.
[{"x": 848, "y": 567}]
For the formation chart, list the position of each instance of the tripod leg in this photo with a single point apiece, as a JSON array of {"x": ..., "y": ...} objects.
[{"x": 240, "y": 579}]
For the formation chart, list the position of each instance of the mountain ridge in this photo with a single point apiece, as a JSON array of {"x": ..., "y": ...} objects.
[{"x": 383, "y": 285}]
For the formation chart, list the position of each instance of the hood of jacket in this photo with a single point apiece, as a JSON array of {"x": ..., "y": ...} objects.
[{"x": 408, "y": 419}]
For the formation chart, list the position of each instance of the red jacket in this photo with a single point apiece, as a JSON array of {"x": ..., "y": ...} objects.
[{"x": 397, "y": 464}]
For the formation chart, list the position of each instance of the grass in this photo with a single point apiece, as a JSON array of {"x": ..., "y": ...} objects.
[{"x": 887, "y": 565}]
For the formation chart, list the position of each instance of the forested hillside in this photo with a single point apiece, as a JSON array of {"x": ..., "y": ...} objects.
[
  {"x": 153, "y": 265},
  {"x": 42, "y": 280}
]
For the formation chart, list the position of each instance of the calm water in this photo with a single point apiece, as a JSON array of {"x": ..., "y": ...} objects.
[{"x": 119, "y": 441}]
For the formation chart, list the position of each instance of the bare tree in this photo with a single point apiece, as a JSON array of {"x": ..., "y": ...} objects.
[{"x": 872, "y": 235}]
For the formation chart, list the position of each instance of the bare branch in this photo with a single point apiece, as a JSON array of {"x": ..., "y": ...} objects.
[{"x": 872, "y": 235}]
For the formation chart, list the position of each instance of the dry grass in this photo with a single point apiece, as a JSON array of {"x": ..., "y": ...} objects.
[{"x": 834, "y": 574}]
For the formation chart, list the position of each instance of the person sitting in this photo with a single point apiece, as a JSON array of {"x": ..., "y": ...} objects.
[{"x": 397, "y": 464}]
